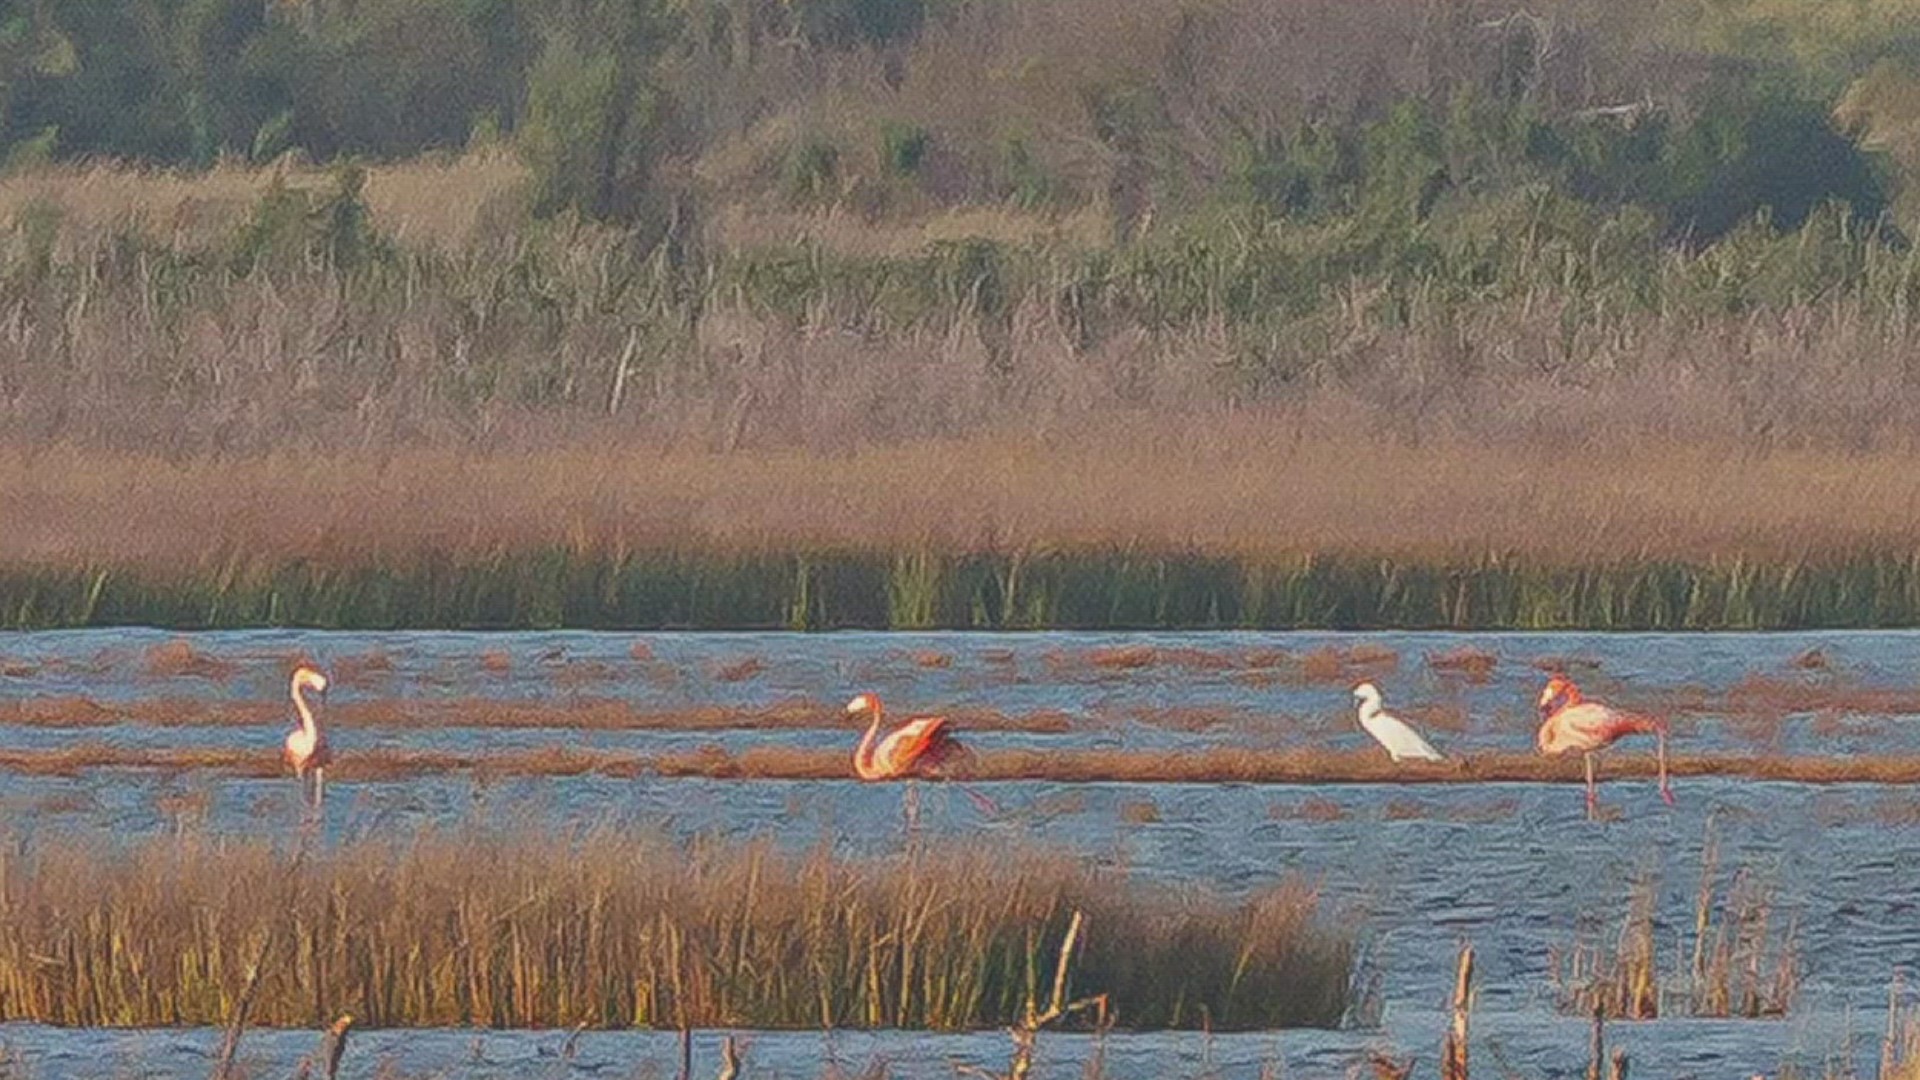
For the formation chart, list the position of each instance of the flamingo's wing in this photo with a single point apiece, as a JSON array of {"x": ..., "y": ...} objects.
[
  {"x": 296, "y": 749},
  {"x": 303, "y": 751},
  {"x": 1401, "y": 740},
  {"x": 1586, "y": 726},
  {"x": 925, "y": 740}
]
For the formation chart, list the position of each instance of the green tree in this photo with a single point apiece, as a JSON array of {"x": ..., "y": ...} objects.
[{"x": 597, "y": 120}]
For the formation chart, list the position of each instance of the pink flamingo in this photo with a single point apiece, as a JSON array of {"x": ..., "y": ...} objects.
[
  {"x": 919, "y": 748},
  {"x": 1570, "y": 722},
  {"x": 306, "y": 746}
]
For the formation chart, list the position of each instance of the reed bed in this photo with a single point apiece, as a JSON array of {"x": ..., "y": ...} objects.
[
  {"x": 1737, "y": 961},
  {"x": 518, "y": 930},
  {"x": 359, "y": 508},
  {"x": 1108, "y": 588},
  {"x": 1900, "y": 1045},
  {"x": 908, "y": 356},
  {"x": 1224, "y": 765}
]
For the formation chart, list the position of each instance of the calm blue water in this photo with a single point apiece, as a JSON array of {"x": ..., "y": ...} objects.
[{"x": 1514, "y": 868}]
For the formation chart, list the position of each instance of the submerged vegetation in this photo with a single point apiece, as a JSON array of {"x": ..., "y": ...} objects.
[
  {"x": 508, "y": 931},
  {"x": 946, "y": 313}
]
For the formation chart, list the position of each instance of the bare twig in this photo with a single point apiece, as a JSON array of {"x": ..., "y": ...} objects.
[
  {"x": 237, "y": 1022},
  {"x": 620, "y": 375},
  {"x": 1453, "y": 1051},
  {"x": 1597, "y": 1051},
  {"x": 567, "y": 1049},
  {"x": 1028, "y": 1032},
  {"x": 1631, "y": 112},
  {"x": 1056, "y": 1006}
]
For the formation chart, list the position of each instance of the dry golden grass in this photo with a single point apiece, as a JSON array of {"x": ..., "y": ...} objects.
[
  {"x": 1233, "y": 491},
  {"x": 525, "y": 930},
  {"x": 427, "y": 202}
]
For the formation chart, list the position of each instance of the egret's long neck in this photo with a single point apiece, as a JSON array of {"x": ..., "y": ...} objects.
[
  {"x": 863, "y": 754},
  {"x": 307, "y": 723},
  {"x": 1369, "y": 708}
]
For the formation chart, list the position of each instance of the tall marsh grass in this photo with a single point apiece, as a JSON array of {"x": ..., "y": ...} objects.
[
  {"x": 1738, "y": 960},
  {"x": 613, "y": 931},
  {"x": 1085, "y": 590},
  {"x": 325, "y": 400}
]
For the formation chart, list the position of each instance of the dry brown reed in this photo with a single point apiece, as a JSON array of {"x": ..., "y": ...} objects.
[
  {"x": 1121, "y": 657},
  {"x": 179, "y": 657},
  {"x": 1158, "y": 489},
  {"x": 1814, "y": 659},
  {"x": 1404, "y": 810},
  {"x": 1475, "y": 665},
  {"x": 1900, "y": 1045},
  {"x": 361, "y": 667},
  {"x": 518, "y": 930},
  {"x": 1768, "y": 697},
  {"x": 1312, "y": 808},
  {"x": 740, "y": 670},
  {"x": 1336, "y": 664},
  {"x": 1737, "y": 961}
]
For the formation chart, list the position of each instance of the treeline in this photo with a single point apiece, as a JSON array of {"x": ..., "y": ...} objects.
[{"x": 1699, "y": 114}]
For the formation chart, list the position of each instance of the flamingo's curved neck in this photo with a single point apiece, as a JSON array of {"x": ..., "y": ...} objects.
[
  {"x": 863, "y": 754},
  {"x": 300, "y": 705},
  {"x": 1566, "y": 697}
]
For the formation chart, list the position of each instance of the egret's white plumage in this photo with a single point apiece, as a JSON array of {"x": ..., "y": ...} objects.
[{"x": 1401, "y": 741}]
